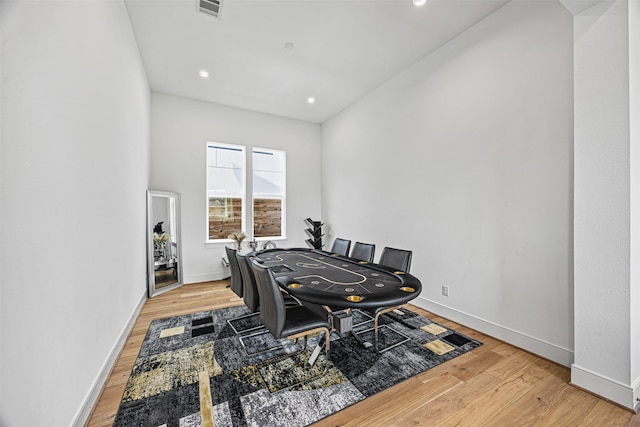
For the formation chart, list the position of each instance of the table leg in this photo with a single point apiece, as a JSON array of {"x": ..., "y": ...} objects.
[{"x": 315, "y": 353}]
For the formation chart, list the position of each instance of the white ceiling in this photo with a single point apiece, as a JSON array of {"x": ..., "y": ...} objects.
[{"x": 343, "y": 48}]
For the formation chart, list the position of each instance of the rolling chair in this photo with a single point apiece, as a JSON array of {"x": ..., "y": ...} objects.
[
  {"x": 363, "y": 251},
  {"x": 341, "y": 246}
]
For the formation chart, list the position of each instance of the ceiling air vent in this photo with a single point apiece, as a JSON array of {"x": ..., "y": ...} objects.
[{"x": 210, "y": 7}]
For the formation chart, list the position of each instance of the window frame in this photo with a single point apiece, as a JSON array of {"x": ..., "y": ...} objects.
[
  {"x": 247, "y": 199},
  {"x": 283, "y": 219},
  {"x": 227, "y": 195}
]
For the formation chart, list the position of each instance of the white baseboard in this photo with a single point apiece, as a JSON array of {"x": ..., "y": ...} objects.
[
  {"x": 82, "y": 416},
  {"x": 205, "y": 277},
  {"x": 636, "y": 395},
  {"x": 624, "y": 395},
  {"x": 534, "y": 345},
  {"x": 608, "y": 388}
]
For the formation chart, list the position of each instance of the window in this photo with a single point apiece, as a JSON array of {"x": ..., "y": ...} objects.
[
  {"x": 268, "y": 193},
  {"x": 228, "y": 197},
  {"x": 225, "y": 190}
]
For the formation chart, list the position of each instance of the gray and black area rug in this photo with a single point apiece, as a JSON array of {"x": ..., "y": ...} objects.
[{"x": 194, "y": 370}]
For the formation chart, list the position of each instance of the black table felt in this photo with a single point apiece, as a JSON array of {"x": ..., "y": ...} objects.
[{"x": 327, "y": 279}]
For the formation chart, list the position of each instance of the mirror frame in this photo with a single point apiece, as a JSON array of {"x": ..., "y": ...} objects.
[{"x": 173, "y": 198}]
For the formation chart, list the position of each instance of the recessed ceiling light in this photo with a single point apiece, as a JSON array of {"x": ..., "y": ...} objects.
[
  {"x": 419, "y": 2},
  {"x": 204, "y": 74},
  {"x": 311, "y": 100}
]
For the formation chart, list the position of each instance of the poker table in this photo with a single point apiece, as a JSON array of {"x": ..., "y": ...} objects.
[{"x": 330, "y": 280}]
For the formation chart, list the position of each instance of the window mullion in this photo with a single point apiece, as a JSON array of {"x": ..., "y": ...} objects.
[{"x": 248, "y": 194}]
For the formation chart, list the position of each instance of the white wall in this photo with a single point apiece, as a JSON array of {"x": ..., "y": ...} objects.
[
  {"x": 607, "y": 239},
  {"x": 465, "y": 158},
  {"x": 75, "y": 165},
  {"x": 1, "y": 198},
  {"x": 634, "y": 113},
  {"x": 180, "y": 129}
]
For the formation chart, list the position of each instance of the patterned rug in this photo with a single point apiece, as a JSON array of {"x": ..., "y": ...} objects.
[{"x": 194, "y": 369}]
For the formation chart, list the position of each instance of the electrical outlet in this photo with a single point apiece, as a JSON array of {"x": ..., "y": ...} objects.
[{"x": 445, "y": 290}]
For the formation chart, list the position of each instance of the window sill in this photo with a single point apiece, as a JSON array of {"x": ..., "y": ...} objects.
[{"x": 245, "y": 243}]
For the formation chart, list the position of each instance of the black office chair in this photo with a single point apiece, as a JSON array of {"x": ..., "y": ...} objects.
[
  {"x": 237, "y": 286},
  {"x": 236, "y": 278},
  {"x": 363, "y": 251},
  {"x": 291, "y": 322},
  {"x": 341, "y": 247},
  {"x": 251, "y": 299},
  {"x": 251, "y": 322},
  {"x": 400, "y": 261}
]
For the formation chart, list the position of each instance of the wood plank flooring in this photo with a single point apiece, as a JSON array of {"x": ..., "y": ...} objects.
[{"x": 494, "y": 385}]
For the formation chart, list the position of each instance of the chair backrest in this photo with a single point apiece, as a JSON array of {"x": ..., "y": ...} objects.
[
  {"x": 272, "y": 309},
  {"x": 236, "y": 278},
  {"x": 341, "y": 246},
  {"x": 249, "y": 287},
  {"x": 363, "y": 251},
  {"x": 398, "y": 259}
]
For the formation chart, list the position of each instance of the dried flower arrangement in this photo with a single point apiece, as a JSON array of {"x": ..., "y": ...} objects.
[{"x": 237, "y": 237}]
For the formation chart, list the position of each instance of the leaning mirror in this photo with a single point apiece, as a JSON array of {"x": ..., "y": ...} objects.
[{"x": 164, "y": 252}]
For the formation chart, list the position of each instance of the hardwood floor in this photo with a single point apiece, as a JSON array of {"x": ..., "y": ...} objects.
[{"x": 494, "y": 385}]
